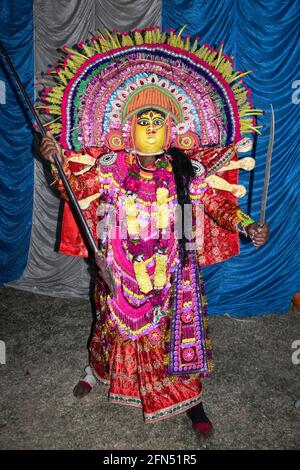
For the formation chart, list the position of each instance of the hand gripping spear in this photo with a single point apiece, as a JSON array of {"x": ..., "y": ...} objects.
[{"x": 104, "y": 270}]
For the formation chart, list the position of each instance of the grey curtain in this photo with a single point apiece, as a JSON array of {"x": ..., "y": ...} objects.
[{"x": 59, "y": 22}]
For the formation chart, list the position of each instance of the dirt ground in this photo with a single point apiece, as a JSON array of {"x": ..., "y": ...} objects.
[{"x": 250, "y": 397}]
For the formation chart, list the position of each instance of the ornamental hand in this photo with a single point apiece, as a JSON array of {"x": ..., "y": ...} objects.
[
  {"x": 259, "y": 234},
  {"x": 49, "y": 147},
  {"x": 105, "y": 273}
]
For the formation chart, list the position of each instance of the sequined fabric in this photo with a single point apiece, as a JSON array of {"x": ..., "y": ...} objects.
[{"x": 136, "y": 372}]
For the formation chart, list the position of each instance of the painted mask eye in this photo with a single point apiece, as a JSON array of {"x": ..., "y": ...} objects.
[
  {"x": 143, "y": 122},
  {"x": 158, "y": 122}
]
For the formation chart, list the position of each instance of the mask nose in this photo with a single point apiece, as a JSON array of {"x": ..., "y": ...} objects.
[{"x": 151, "y": 128}]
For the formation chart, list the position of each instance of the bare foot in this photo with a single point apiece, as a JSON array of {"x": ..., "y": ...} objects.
[{"x": 81, "y": 389}]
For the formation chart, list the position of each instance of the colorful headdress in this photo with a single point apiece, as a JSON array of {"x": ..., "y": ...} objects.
[{"x": 102, "y": 84}]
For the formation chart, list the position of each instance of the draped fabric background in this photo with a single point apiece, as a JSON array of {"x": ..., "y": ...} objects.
[
  {"x": 16, "y": 158},
  {"x": 262, "y": 35}
]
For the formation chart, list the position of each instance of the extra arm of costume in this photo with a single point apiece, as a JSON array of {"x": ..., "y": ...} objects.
[
  {"x": 81, "y": 171},
  {"x": 207, "y": 188},
  {"x": 225, "y": 213},
  {"x": 219, "y": 159}
]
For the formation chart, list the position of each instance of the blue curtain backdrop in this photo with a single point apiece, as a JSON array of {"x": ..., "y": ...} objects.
[
  {"x": 263, "y": 36},
  {"x": 16, "y": 159}
]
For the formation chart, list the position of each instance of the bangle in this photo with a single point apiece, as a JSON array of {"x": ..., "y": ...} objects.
[
  {"x": 242, "y": 229},
  {"x": 244, "y": 219},
  {"x": 245, "y": 223}
]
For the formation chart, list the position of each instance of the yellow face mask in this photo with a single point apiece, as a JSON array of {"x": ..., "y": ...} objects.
[{"x": 150, "y": 132}]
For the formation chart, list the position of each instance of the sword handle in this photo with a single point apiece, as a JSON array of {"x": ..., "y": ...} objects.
[{"x": 260, "y": 226}]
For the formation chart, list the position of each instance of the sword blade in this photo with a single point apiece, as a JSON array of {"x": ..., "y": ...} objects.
[{"x": 268, "y": 169}]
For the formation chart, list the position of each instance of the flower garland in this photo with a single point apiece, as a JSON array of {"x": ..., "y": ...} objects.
[{"x": 140, "y": 249}]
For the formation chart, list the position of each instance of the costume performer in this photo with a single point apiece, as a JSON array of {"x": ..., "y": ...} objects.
[{"x": 150, "y": 128}]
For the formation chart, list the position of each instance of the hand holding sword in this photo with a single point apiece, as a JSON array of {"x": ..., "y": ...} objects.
[{"x": 258, "y": 233}]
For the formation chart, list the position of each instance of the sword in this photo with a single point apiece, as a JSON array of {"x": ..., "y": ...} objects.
[
  {"x": 267, "y": 170},
  {"x": 69, "y": 191}
]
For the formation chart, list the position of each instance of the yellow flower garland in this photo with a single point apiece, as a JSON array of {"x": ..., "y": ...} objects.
[
  {"x": 163, "y": 211},
  {"x": 142, "y": 277},
  {"x": 131, "y": 210},
  {"x": 160, "y": 273}
]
